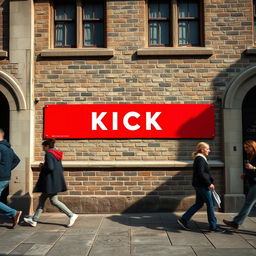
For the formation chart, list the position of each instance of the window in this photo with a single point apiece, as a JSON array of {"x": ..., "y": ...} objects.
[
  {"x": 65, "y": 23},
  {"x": 93, "y": 24},
  {"x": 78, "y": 23},
  {"x": 159, "y": 23},
  {"x": 174, "y": 23},
  {"x": 188, "y": 22}
]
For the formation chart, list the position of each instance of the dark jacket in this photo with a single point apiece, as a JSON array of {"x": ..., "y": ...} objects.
[
  {"x": 201, "y": 173},
  {"x": 8, "y": 160},
  {"x": 51, "y": 179},
  {"x": 250, "y": 175}
]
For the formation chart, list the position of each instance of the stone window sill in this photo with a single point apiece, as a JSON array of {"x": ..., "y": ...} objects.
[
  {"x": 92, "y": 52},
  {"x": 174, "y": 51},
  {"x": 132, "y": 164},
  {"x": 3, "y": 54},
  {"x": 250, "y": 50}
]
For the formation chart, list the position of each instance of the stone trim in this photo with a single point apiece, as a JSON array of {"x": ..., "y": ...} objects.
[
  {"x": 131, "y": 164},
  {"x": 250, "y": 50},
  {"x": 92, "y": 52},
  {"x": 3, "y": 54},
  {"x": 165, "y": 51}
]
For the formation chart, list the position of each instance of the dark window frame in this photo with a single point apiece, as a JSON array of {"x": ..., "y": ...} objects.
[
  {"x": 94, "y": 20},
  {"x": 69, "y": 21},
  {"x": 174, "y": 23},
  {"x": 190, "y": 18},
  {"x": 158, "y": 20}
]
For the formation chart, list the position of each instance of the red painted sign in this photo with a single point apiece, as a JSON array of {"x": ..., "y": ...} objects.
[{"x": 129, "y": 121}]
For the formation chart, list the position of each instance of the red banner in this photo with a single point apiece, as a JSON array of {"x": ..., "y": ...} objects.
[{"x": 129, "y": 121}]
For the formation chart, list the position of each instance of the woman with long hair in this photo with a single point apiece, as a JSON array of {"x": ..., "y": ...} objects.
[
  {"x": 51, "y": 181},
  {"x": 250, "y": 166},
  {"x": 202, "y": 181}
]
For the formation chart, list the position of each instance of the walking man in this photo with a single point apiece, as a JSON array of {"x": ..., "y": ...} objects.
[{"x": 8, "y": 161}]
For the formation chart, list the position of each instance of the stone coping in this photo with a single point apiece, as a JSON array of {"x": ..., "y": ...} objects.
[
  {"x": 250, "y": 50},
  {"x": 83, "y": 52},
  {"x": 3, "y": 54},
  {"x": 130, "y": 164},
  {"x": 165, "y": 51}
]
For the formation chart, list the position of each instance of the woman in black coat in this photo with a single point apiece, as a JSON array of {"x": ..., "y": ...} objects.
[
  {"x": 203, "y": 183},
  {"x": 51, "y": 181}
]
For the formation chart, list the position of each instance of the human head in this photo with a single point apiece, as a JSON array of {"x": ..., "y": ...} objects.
[
  {"x": 48, "y": 144},
  {"x": 250, "y": 148},
  {"x": 1, "y": 134},
  {"x": 202, "y": 148}
]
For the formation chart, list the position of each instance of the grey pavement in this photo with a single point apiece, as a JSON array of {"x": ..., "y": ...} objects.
[{"x": 147, "y": 234}]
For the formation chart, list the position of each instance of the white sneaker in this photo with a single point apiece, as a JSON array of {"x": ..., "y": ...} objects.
[
  {"x": 72, "y": 220},
  {"x": 30, "y": 221}
]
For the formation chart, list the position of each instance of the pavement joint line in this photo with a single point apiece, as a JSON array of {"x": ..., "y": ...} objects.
[
  {"x": 55, "y": 242},
  {"x": 20, "y": 243},
  {"x": 169, "y": 238},
  {"x": 205, "y": 235},
  {"x": 96, "y": 235},
  {"x": 193, "y": 250}
]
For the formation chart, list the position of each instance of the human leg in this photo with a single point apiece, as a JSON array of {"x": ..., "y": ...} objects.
[
  {"x": 247, "y": 207},
  {"x": 194, "y": 208},
  {"x": 5, "y": 209}
]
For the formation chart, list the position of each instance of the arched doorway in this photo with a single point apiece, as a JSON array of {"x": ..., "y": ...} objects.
[
  {"x": 5, "y": 125},
  {"x": 238, "y": 103},
  {"x": 4, "y": 115},
  {"x": 249, "y": 115}
]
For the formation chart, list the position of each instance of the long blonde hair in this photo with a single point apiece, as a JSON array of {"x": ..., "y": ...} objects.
[{"x": 199, "y": 147}]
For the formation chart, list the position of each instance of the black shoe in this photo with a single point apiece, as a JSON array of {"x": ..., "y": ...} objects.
[
  {"x": 183, "y": 223},
  {"x": 231, "y": 224},
  {"x": 218, "y": 229}
]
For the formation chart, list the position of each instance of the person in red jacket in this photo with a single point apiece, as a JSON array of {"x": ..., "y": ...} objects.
[{"x": 51, "y": 181}]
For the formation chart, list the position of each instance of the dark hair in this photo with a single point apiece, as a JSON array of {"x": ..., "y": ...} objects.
[
  {"x": 1, "y": 131},
  {"x": 49, "y": 142}
]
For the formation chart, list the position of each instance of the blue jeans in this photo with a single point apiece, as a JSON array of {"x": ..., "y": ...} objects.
[
  {"x": 249, "y": 203},
  {"x": 203, "y": 195},
  {"x": 4, "y": 209}
]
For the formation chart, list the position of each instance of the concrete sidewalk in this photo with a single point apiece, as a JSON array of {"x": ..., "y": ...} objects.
[{"x": 148, "y": 234}]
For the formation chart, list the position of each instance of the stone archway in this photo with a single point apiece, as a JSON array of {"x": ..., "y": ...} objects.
[
  {"x": 233, "y": 139},
  {"x": 20, "y": 139}
]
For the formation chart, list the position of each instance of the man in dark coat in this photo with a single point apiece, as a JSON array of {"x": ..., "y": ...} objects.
[{"x": 8, "y": 161}]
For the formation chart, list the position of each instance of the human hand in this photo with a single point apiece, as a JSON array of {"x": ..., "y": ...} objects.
[{"x": 249, "y": 166}]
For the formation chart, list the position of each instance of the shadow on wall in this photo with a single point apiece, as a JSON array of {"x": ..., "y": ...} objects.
[{"x": 175, "y": 189}]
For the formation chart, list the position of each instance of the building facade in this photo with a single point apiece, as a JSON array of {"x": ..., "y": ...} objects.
[{"x": 128, "y": 52}]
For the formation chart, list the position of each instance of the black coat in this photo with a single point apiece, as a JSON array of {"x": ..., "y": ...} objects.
[
  {"x": 201, "y": 173},
  {"x": 250, "y": 175},
  {"x": 8, "y": 160},
  {"x": 51, "y": 179}
]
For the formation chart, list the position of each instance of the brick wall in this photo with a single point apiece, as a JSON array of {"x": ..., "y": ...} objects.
[
  {"x": 128, "y": 78},
  {"x": 117, "y": 190}
]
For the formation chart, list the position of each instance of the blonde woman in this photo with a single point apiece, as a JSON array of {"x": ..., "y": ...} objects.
[{"x": 203, "y": 183}]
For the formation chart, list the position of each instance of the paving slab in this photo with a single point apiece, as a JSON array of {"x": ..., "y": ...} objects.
[
  {"x": 163, "y": 250},
  {"x": 75, "y": 245},
  {"x": 11, "y": 239},
  {"x": 224, "y": 252},
  {"x": 38, "y": 250},
  {"x": 21, "y": 249}
]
